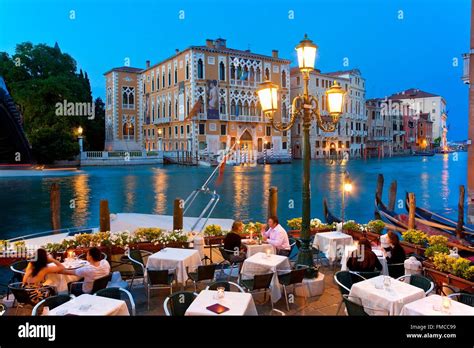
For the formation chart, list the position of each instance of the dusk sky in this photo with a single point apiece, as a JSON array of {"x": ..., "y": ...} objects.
[{"x": 393, "y": 54}]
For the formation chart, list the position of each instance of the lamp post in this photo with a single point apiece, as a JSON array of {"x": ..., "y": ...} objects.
[
  {"x": 306, "y": 107},
  {"x": 346, "y": 187},
  {"x": 80, "y": 139}
]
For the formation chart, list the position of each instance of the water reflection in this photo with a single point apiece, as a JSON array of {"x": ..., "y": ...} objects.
[
  {"x": 130, "y": 192},
  {"x": 160, "y": 184},
  {"x": 81, "y": 193},
  {"x": 445, "y": 181},
  {"x": 241, "y": 192}
]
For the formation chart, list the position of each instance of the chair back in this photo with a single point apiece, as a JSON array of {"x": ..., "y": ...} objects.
[
  {"x": 396, "y": 270},
  {"x": 297, "y": 276},
  {"x": 138, "y": 264},
  {"x": 18, "y": 268},
  {"x": 354, "y": 306},
  {"x": 344, "y": 281},
  {"x": 116, "y": 293},
  {"x": 177, "y": 303},
  {"x": 293, "y": 248},
  {"x": 50, "y": 302},
  {"x": 225, "y": 254},
  {"x": 101, "y": 283},
  {"x": 226, "y": 285},
  {"x": 262, "y": 281},
  {"x": 20, "y": 293},
  {"x": 206, "y": 272},
  {"x": 158, "y": 277},
  {"x": 421, "y": 282},
  {"x": 365, "y": 275},
  {"x": 467, "y": 299}
]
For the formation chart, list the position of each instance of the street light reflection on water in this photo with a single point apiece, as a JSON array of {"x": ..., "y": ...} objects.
[{"x": 24, "y": 201}]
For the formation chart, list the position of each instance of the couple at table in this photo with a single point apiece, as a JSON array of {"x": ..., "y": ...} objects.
[
  {"x": 275, "y": 235},
  {"x": 43, "y": 264}
]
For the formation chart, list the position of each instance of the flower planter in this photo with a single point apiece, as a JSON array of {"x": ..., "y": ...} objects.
[
  {"x": 442, "y": 278},
  {"x": 214, "y": 240},
  {"x": 297, "y": 233},
  {"x": 412, "y": 248}
]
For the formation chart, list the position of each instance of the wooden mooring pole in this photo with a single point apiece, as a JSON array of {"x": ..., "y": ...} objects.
[
  {"x": 273, "y": 201},
  {"x": 392, "y": 195},
  {"x": 178, "y": 211},
  {"x": 55, "y": 203},
  {"x": 460, "y": 224},
  {"x": 378, "y": 194},
  {"x": 411, "y": 210},
  {"x": 104, "y": 216}
]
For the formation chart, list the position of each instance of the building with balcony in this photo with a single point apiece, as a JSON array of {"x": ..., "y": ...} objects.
[
  {"x": 201, "y": 100},
  {"x": 351, "y": 133},
  {"x": 380, "y": 130}
]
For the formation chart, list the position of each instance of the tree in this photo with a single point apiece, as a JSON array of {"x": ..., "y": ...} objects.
[
  {"x": 39, "y": 77},
  {"x": 437, "y": 142}
]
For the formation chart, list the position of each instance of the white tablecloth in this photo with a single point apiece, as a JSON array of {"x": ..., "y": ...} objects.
[
  {"x": 239, "y": 303},
  {"x": 59, "y": 281},
  {"x": 332, "y": 244},
  {"x": 98, "y": 306},
  {"x": 425, "y": 306},
  {"x": 252, "y": 249},
  {"x": 261, "y": 264},
  {"x": 391, "y": 300},
  {"x": 175, "y": 258},
  {"x": 352, "y": 248}
]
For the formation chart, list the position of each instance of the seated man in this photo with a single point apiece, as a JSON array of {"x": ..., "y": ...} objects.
[
  {"x": 276, "y": 236},
  {"x": 96, "y": 269}
]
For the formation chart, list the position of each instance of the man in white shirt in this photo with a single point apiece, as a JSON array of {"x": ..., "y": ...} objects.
[
  {"x": 96, "y": 269},
  {"x": 276, "y": 236}
]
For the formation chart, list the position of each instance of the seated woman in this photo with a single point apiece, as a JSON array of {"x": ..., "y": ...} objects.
[
  {"x": 233, "y": 242},
  {"x": 395, "y": 254},
  {"x": 364, "y": 260},
  {"x": 35, "y": 275}
]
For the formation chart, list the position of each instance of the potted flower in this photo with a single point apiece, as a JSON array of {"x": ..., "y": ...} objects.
[
  {"x": 213, "y": 234},
  {"x": 354, "y": 229},
  {"x": 437, "y": 245},
  {"x": 252, "y": 229},
  {"x": 414, "y": 241},
  {"x": 457, "y": 272}
]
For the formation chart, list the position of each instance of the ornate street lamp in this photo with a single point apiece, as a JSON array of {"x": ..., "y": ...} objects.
[
  {"x": 80, "y": 139},
  {"x": 306, "y": 107}
]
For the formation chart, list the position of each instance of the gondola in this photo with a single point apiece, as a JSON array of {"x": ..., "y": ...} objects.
[
  {"x": 330, "y": 218},
  {"x": 400, "y": 221},
  {"x": 439, "y": 221}
]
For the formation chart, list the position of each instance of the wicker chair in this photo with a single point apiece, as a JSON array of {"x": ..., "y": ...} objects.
[
  {"x": 119, "y": 294},
  {"x": 177, "y": 303},
  {"x": 50, "y": 302},
  {"x": 22, "y": 296}
]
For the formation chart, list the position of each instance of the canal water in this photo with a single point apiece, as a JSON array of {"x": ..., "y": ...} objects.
[{"x": 24, "y": 201}]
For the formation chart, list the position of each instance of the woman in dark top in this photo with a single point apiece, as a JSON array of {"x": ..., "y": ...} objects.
[
  {"x": 233, "y": 242},
  {"x": 364, "y": 260},
  {"x": 395, "y": 254}
]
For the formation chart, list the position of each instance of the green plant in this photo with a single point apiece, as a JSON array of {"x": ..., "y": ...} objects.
[
  {"x": 54, "y": 247},
  {"x": 176, "y": 236},
  {"x": 252, "y": 228},
  {"x": 434, "y": 249},
  {"x": 213, "y": 231},
  {"x": 295, "y": 223},
  {"x": 375, "y": 226},
  {"x": 460, "y": 266},
  {"x": 351, "y": 225},
  {"x": 415, "y": 237},
  {"x": 147, "y": 234},
  {"x": 469, "y": 273},
  {"x": 443, "y": 262},
  {"x": 437, "y": 240}
]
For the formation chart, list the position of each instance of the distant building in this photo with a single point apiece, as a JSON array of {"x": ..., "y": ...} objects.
[
  {"x": 201, "y": 100},
  {"x": 351, "y": 132},
  {"x": 415, "y": 102},
  {"x": 380, "y": 130}
]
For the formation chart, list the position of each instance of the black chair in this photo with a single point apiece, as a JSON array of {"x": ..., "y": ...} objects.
[
  {"x": 259, "y": 283},
  {"x": 229, "y": 264},
  {"x": 50, "y": 302},
  {"x": 226, "y": 285},
  {"x": 119, "y": 294},
  {"x": 467, "y": 299},
  {"x": 137, "y": 261},
  {"x": 22, "y": 294},
  {"x": 396, "y": 270},
  {"x": 294, "y": 277},
  {"x": 365, "y": 275},
  {"x": 355, "y": 308},
  {"x": 18, "y": 271},
  {"x": 203, "y": 273},
  {"x": 75, "y": 288},
  {"x": 344, "y": 280},
  {"x": 159, "y": 279},
  {"x": 177, "y": 303},
  {"x": 419, "y": 281},
  {"x": 293, "y": 249}
]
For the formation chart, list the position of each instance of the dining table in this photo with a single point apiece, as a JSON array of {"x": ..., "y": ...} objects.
[
  {"x": 87, "y": 304},
  {"x": 254, "y": 247},
  {"x": 383, "y": 295},
  {"x": 60, "y": 280},
  {"x": 433, "y": 305},
  {"x": 235, "y": 303},
  {"x": 352, "y": 249},
  {"x": 332, "y": 244},
  {"x": 175, "y": 259}
]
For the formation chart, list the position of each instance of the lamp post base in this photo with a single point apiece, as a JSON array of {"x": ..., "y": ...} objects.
[{"x": 305, "y": 258}]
